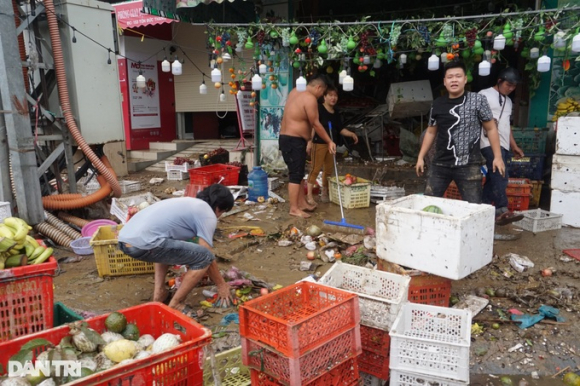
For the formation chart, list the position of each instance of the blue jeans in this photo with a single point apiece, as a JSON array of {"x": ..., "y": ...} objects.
[
  {"x": 467, "y": 179},
  {"x": 172, "y": 252},
  {"x": 494, "y": 190}
]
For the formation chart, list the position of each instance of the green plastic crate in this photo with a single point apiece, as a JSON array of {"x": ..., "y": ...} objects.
[
  {"x": 531, "y": 141},
  {"x": 63, "y": 315}
]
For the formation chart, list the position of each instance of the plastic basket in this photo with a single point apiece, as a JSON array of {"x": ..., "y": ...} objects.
[
  {"x": 404, "y": 378},
  {"x": 110, "y": 260},
  {"x": 5, "y": 211},
  {"x": 374, "y": 364},
  {"x": 184, "y": 167},
  {"x": 305, "y": 369},
  {"x": 120, "y": 206},
  {"x": 129, "y": 186},
  {"x": 518, "y": 202},
  {"x": 176, "y": 175},
  {"x": 229, "y": 368},
  {"x": 539, "y": 220},
  {"x": 299, "y": 317},
  {"x": 178, "y": 366},
  {"x": 346, "y": 374},
  {"x": 191, "y": 190},
  {"x": 531, "y": 166},
  {"x": 353, "y": 196},
  {"x": 82, "y": 246},
  {"x": 26, "y": 299},
  {"x": 518, "y": 187},
  {"x": 380, "y": 293},
  {"x": 531, "y": 141},
  {"x": 213, "y": 174},
  {"x": 432, "y": 340},
  {"x": 536, "y": 193},
  {"x": 88, "y": 186},
  {"x": 430, "y": 289},
  {"x": 62, "y": 315},
  {"x": 375, "y": 340},
  {"x": 452, "y": 192}
]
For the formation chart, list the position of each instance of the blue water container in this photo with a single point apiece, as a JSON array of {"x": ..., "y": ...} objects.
[{"x": 257, "y": 184}]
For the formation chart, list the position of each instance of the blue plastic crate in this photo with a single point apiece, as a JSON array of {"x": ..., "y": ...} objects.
[
  {"x": 531, "y": 166},
  {"x": 531, "y": 141}
]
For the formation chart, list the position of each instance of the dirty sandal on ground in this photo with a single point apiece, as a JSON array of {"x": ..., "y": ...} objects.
[{"x": 508, "y": 218}]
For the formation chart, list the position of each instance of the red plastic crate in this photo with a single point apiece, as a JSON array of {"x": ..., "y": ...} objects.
[
  {"x": 452, "y": 192},
  {"x": 191, "y": 190},
  {"x": 303, "y": 370},
  {"x": 180, "y": 366},
  {"x": 518, "y": 187},
  {"x": 299, "y": 317},
  {"x": 212, "y": 174},
  {"x": 518, "y": 202},
  {"x": 430, "y": 289},
  {"x": 374, "y": 364},
  {"x": 375, "y": 340},
  {"x": 346, "y": 374},
  {"x": 26, "y": 299}
]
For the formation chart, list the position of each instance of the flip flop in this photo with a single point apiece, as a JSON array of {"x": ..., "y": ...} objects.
[{"x": 508, "y": 218}]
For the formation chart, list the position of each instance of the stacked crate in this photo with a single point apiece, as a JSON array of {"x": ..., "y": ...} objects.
[
  {"x": 303, "y": 334},
  {"x": 381, "y": 295},
  {"x": 565, "y": 182}
]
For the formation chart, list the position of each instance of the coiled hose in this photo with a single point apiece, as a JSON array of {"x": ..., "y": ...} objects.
[
  {"x": 54, "y": 234},
  {"x": 80, "y": 222},
  {"x": 109, "y": 176},
  {"x": 55, "y": 222}
]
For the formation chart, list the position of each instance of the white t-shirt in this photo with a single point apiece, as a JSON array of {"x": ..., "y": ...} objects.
[{"x": 493, "y": 96}]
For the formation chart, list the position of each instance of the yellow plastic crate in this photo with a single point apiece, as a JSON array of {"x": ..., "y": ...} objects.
[
  {"x": 229, "y": 368},
  {"x": 353, "y": 196},
  {"x": 536, "y": 193},
  {"x": 110, "y": 260}
]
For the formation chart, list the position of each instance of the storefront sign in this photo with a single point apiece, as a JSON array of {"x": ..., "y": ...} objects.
[{"x": 145, "y": 111}]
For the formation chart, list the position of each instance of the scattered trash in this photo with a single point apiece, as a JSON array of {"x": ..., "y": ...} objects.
[
  {"x": 285, "y": 243},
  {"x": 535, "y": 375},
  {"x": 156, "y": 181},
  {"x": 229, "y": 318},
  {"x": 516, "y": 347},
  {"x": 518, "y": 262},
  {"x": 528, "y": 320},
  {"x": 307, "y": 266},
  {"x": 476, "y": 329},
  {"x": 474, "y": 303}
]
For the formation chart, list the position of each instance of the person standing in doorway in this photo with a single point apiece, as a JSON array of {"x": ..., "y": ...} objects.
[
  {"x": 494, "y": 189},
  {"x": 321, "y": 158},
  {"x": 455, "y": 124},
  {"x": 300, "y": 116}
]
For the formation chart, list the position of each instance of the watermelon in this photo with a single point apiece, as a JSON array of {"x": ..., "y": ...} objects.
[{"x": 432, "y": 209}]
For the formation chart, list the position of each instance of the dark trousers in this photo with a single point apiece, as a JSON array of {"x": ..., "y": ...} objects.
[
  {"x": 494, "y": 190},
  {"x": 467, "y": 179}
]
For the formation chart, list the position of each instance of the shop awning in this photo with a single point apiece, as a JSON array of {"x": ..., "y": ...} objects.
[
  {"x": 203, "y": 11},
  {"x": 129, "y": 15}
]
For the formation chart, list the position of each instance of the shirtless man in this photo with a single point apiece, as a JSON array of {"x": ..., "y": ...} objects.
[{"x": 300, "y": 116}]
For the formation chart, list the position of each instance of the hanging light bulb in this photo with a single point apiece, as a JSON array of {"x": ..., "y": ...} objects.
[
  {"x": 216, "y": 75},
  {"x": 165, "y": 65},
  {"x": 203, "y": 88},
  {"x": 559, "y": 41},
  {"x": 109, "y": 60},
  {"x": 377, "y": 63},
  {"x": 576, "y": 43},
  {"x": 74, "y": 38},
  {"x": 262, "y": 68},
  {"x": 487, "y": 55},
  {"x": 256, "y": 82},
  {"x": 226, "y": 57},
  {"x": 403, "y": 59},
  {"x": 534, "y": 53},
  {"x": 499, "y": 42},
  {"x": 341, "y": 76},
  {"x": 484, "y": 68},
  {"x": 433, "y": 63},
  {"x": 176, "y": 67},
  {"x": 366, "y": 59},
  {"x": 348, "y": 83},
  {"x": 222, "y": 96},
  {"x": 301, "y": 83},
  {"x": 444, "y": 58},
  {"x": 141, "y": 81},
  {"x": 544, "y": 63}
]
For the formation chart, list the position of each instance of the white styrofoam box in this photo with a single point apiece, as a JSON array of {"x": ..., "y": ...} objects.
[
  {"x": 568, "y": 135},
  {"x": 120, "y": 206},
  {"x": 380, "y": 294},
  {"x": 568, "y": 205},
  {"x": 452, "y": 245},
  {"x": 409, "y": 99},
  {"x": 405, "y": 378},
  {"x": 5, "y": 210},
  {"x": 538, "y": 220},
  {"x": 565, "y": 173},
  {"x": 432, "y": 340}
]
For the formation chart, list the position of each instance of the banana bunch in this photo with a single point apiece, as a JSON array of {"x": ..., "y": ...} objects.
[
  {"x": 566, "y": 107},
  {"x": 17, "y": 247}
]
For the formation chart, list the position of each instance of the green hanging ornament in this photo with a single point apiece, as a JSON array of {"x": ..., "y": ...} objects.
[
  {"x": 469, "y": 76},
  {"x": 540, "y": 35},
  {"x": 525, "y": 52},
  {"x": 466, "y": 53},
  {"x": 273, "y": 34},
  {"x": 296, "y": 64},
  {"x": 507, "y": 32},
  {"x": 380, "y": 54},
  {"x": 322, "y": 49},
  {"x": 441, "y": 41},
  {"x": 509, "y": 42},
  {"x": 249, "y": 44},
  {"x": 477, "y": 44},
  {"x": 293, "y": 38},
  {"x": 478, "y": 51},
  {"x": 351, "y": 45}
]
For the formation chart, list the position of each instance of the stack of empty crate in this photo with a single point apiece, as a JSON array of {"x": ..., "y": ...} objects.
[
  {"x": 381, "y": 295},
  {"x": 303, "y": 334}
]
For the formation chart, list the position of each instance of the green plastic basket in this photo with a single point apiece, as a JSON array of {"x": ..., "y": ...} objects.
[{"x": 64, "y": 315}]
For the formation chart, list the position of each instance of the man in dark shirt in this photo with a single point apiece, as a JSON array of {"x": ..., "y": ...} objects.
[{"x": 455, "y": 127}]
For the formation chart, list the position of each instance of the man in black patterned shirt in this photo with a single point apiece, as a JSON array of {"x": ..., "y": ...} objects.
[{"x": 455, "y": 126}]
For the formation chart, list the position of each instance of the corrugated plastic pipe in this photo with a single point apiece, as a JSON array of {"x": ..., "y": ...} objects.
[
  {"x": 55, "y": 222},
  {"x": 80, "y": 222},
  {"x": 66, "y": 108},
  {"x": 54, "y": 234}
]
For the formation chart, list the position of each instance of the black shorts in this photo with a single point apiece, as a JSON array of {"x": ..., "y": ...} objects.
[{"x": 294, "y": 153}]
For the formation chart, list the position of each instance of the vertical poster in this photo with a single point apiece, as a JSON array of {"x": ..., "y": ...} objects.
[{"x": 144, "y": 102}]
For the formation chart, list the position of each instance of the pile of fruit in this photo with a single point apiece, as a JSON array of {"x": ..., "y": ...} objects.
[
  {"x": 213, "y": 153},
  {"x": 565, "y": 107},
  {"x": 349, "y": 179},
  {"x": 119, "y": 345},
  {"x": 183, "y": 160},
  {"x": 17, "y": 248}
]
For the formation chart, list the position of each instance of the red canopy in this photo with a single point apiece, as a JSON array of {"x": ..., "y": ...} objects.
[{"x": 129, "y": 15}]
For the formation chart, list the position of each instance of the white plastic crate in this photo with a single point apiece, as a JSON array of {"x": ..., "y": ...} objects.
[
  {"x": 176, "y": 175},
  {"x": 432, "y": 340},
  {"x": 129, "y": 186},
  {"x": 381, "y": 294},
  {"x": 404, "y": 378},
  {"x": 88, "y": 187},
  {"x": 273, "y": 183},
  {"x": 120, "y": 206},
  {"x": 353, "y": 196},
  {"x": 452, "y": 245},
  {"x": 371, "y": 380},
  {"x": 169, "y": 166},
  {"x": 5, "y": 211},
  {"x": 538, "y": 220}
]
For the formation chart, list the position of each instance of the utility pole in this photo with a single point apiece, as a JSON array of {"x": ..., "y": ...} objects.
[{"x": 14, "y": 104}]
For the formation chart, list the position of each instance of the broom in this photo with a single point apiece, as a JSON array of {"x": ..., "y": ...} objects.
[{"x": 342, "y": 225}]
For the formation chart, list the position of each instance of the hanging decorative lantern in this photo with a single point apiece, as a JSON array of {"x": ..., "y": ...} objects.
[
  {"x": 433, "y": 63},
  {"x": 403, "y": 59},
  {"x": 141, "y": 81},
  {"x": 176, "y": 67},
  {"x": 301, "y": 83},
  {"x": 444, "y": 57},
  {"x": 256, "y": 82},
  {"x": 366, "y": 59},
  {"x": 348, "y": 83},
  {"x": 499, "y": 42},
  {"x": 534, "y": 53},
  {"x": 576, "y": 43},
  {"x": 226, "y": 57},
  {"x": 559, "y": 41},
  {"x": 203, "y": 88},
  {"x": 216, "y": 75},
  {"x": 222, "y": 96},
  {"x": 165, "y": 65},
  {"x": 544, "y": 63},
  {"x": 263, "y": 69},
  {"x": 377, "y": 63},
  {"x": 484, "y": 68},
  {"x": 341, "y": 76}
]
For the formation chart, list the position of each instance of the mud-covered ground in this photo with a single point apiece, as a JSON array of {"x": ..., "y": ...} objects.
[{"x": 545, "y": 348}]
